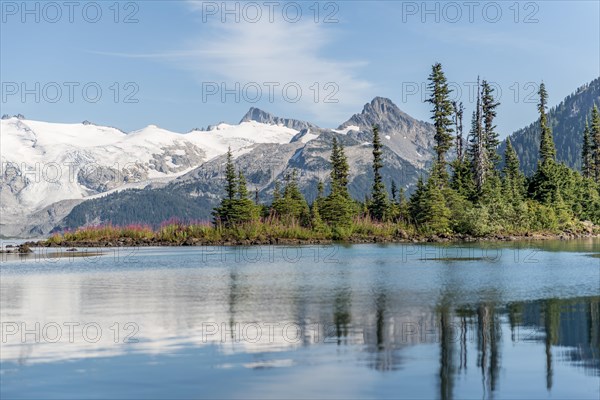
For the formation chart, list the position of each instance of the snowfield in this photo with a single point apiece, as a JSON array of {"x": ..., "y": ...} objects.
[{"x": 43, "y": 163}]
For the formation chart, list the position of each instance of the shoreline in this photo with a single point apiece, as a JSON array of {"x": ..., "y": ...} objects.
[{"x": 451, "y": 239}]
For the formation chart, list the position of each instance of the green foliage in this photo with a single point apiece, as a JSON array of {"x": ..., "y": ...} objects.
[
  {"x": 488, "y": 111},
  {"x": 292, "y": 205},
  {"x": 595, "y": 132},
  {"x": 231, "y": 184},
  {"x": 338, "y": 208},
  {"x": 547, "y": 148},
  {"x": 462, "y": 178},
  {"x": 441, "y": 114},
  {"x": 433, "y": 214},
  {"x": 379, "y": 199},
  {"x": 514, "y": 180},
  {"x": 567, "y": 121},
  {"x": 236, "y": 208},
  {"x": 339, "y": 168},
  {"x": 587, "y": 153},
  {"x": 136, "y": 206}
]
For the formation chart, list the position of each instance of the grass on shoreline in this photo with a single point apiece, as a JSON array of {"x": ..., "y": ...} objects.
[
  {"x": 266, "y": 230},
  {"x": 176, "y": 232}
]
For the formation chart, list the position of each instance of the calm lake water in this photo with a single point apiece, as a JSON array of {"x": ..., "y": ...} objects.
[{"x": 518, "y": 320}]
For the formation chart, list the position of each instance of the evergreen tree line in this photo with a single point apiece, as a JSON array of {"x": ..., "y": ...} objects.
[{"x": 469, "y": 195}]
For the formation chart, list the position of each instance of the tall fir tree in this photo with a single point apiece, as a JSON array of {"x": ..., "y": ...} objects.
[
  {"x": 547, "y": 148},
  {"x": 461, "y": 175},
  {"x": 379, "y": 199},
  {"x": 338, "y": 208},
  {"x": 488, "y": 113},
  {"x": 544, "y": 185},
  {"x": 442, "y": 117},
  {"x": 459, "y": 110},
  {"x": 339, "y": 168},
  {"x": 477, "y": 142},
  {"x": 236, "y": 208},
  {"x": 595, "y": 132},
  {"x": 230, "y": 178},
  {"x": 587, "y": 152}
]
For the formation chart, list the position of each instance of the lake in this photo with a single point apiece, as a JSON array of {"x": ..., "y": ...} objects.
[{"x": 503, "y": 320}]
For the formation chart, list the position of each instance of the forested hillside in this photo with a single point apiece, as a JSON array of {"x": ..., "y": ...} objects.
[{"x": 567, "y": 121}]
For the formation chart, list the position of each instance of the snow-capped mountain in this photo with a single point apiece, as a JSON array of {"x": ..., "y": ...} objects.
[
  {"x": 49, "y": 169},
  {"x": 45, "y": 164}
]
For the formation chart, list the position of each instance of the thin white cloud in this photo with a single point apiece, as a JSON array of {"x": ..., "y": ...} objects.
[{"x": 285, "y": 53}]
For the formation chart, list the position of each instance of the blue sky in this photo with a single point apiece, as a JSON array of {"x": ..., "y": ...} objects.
[{"x": 170, "y": 64}]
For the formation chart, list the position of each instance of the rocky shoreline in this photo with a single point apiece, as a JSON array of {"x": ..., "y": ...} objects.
[{"x": 24, "y": 248}]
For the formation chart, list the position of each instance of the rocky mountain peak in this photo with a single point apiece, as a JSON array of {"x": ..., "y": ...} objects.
[
  {"x": 258, "y": 115},
  {"x": 380, "y": 111}
]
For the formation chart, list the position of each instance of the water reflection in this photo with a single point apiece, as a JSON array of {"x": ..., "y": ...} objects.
[{"x": 463, "y": 332}]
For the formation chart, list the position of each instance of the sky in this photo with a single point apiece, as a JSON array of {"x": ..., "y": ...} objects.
[{"x": 183, "y": 64}]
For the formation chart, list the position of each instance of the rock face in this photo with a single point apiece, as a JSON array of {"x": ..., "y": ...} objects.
[
  {"x": 258, "y": 115},
  {"x": 411, "y": 139}
]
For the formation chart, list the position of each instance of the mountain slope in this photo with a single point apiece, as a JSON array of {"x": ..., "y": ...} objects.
[
  {"x": 307, "y": 153},
  {"x": 567, "y": 121},
  {"x": 197, "y": 192},
  {"x": 411, "y": 139},
  {"x": 45, "y": 163}
]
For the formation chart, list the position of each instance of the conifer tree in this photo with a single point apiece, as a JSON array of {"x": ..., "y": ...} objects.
[
  {"x": 478, "y": 150},
  {"x": 394, "y": 192},
  {"x": 244, "y": 210},
  {"x": 276, "y": 192},
  {"x": 587, "y": 152},
  {"x": 316, "y": 222},
  {"x": 595, "y": 133},
  {"x": 441, "y": 114},
  {"x": 225, "y": 213},
  {"x": 339, "y": 168},
  {"x": 488, "y": 113},
  {"x": 547, "y": 148},
  {"x": 513, "y": 178},
  {"x": 546, "y": 180},
  {"x": 230, "y": 178},
  {"x": 416, "y": 201},
  {"x": 403, "y": 213},
  {"x": 242, "y": 188},
  {"x": 292, "y": 205},
  {"x": 458, "y": 125},
  {"x": 236, "y": 208},
  {"x": 338, "y": 208},
  {"x": 461, "y": 176},
  {"x": 434, "y": 212},
  {"x": 379, "y": 203},
  {"x": 320, "y": 189}
]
